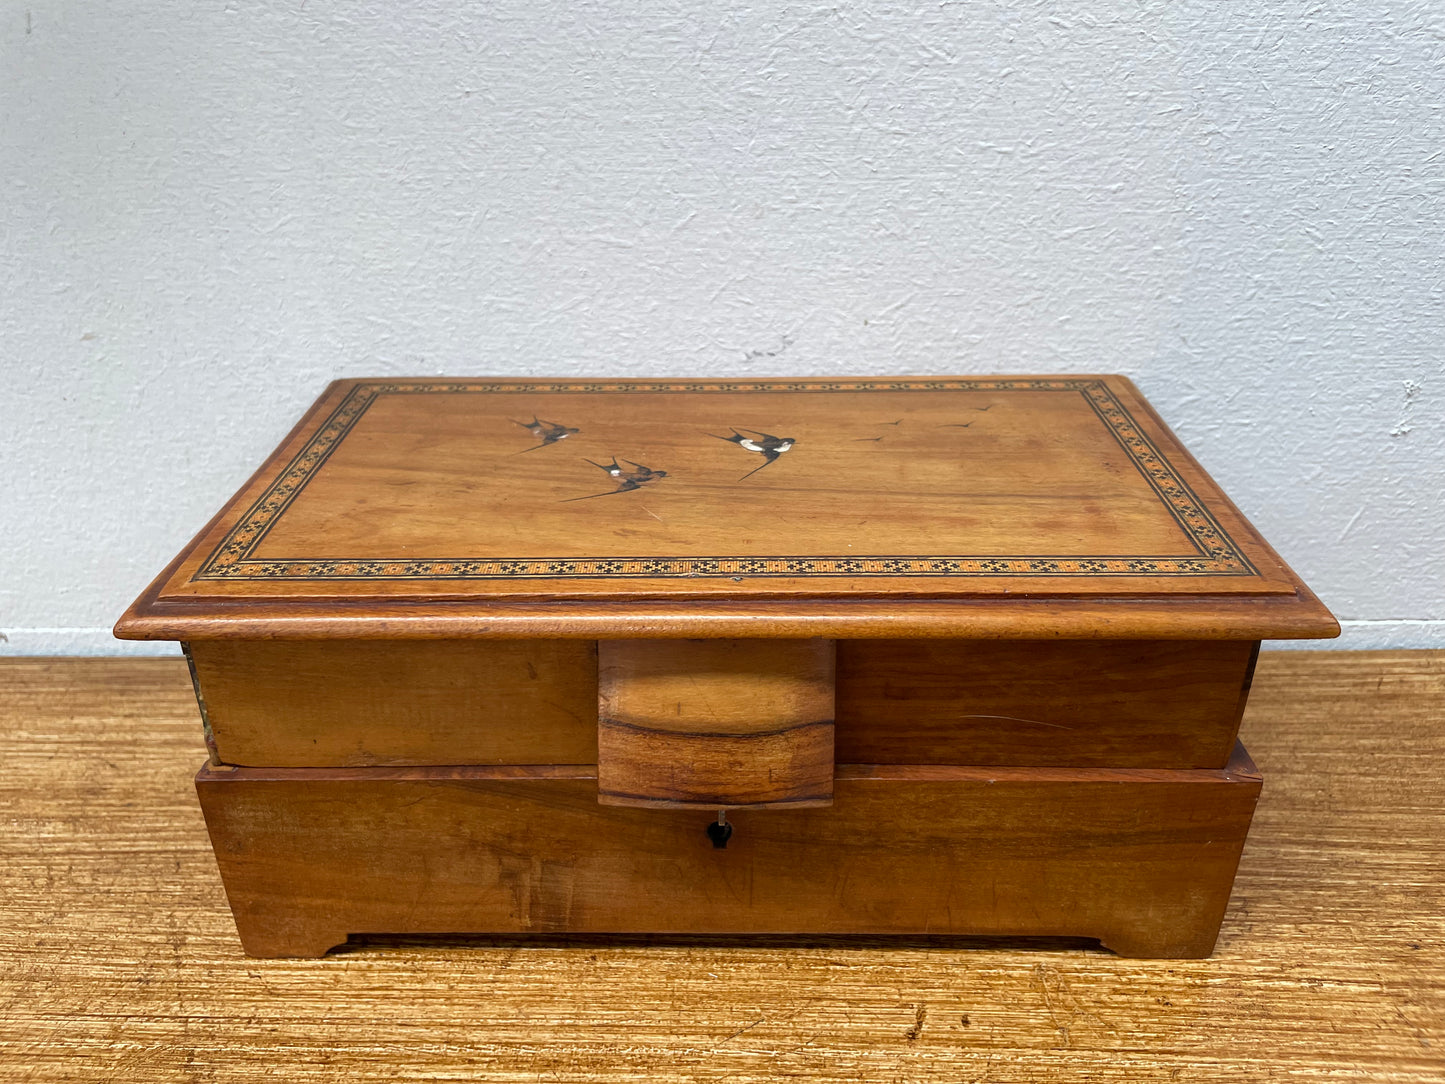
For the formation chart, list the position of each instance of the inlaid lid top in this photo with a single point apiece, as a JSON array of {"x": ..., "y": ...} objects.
[{"x": 979, "y": 506}]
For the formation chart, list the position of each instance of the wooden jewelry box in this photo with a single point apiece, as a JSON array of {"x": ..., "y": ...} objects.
[{"x": 892, "y": 656}]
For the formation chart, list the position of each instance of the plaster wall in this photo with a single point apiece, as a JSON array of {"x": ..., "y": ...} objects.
[{"x": 210, "y": 210}]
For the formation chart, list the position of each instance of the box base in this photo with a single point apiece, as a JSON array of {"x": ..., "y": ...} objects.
[{"x": 1141, "y": 859}]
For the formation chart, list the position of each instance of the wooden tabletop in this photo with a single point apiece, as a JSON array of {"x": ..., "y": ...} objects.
[{"x": 118, "y": 960}]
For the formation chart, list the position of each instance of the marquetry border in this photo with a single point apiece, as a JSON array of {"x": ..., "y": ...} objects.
[{"x": 1216, "y": 553}]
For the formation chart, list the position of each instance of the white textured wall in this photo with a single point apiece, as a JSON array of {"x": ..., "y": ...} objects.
[{"x": 209, "y": 210}]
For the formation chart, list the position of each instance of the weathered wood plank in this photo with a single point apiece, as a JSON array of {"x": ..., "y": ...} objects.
[{"x": 119, "y": 960}]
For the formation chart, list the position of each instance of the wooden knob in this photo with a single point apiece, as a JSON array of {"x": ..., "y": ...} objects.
[{"x": 714, "y": 723}]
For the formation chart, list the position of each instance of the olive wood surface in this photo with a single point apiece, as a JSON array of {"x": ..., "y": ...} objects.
[
  {"x": 618, "y": 509},
  {"x": 119, "y": 959}
]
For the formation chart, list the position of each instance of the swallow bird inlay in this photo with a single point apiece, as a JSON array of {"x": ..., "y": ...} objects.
[
  {"x": 627, "y": 480},
  {"x": 766, "y": 445},
  {"x": 545, "y": 431}
]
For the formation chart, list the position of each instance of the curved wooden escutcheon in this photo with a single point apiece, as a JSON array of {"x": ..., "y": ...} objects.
[{"x": 715, "y": 723}]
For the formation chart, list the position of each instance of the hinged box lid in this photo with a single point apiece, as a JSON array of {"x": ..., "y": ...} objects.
[{"x": 1019, "y": 506}]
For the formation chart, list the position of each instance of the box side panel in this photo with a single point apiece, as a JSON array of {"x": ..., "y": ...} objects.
[
  {"x": 339, "y": 703},
  {"x": 1128, "y": 704}
]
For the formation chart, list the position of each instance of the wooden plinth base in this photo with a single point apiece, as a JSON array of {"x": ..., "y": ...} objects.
[{"x": 1141, "y": 859}]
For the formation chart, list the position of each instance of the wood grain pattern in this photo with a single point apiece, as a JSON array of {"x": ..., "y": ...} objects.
[
  {"x": 419, "y": 500},
  {"x": 307, "y": 703},
  {"x": 303, "y": 703},
  {"x": 119, "y": 961},
  {"x": 1110, "y": 703},
  {"x": 1143, "y": 860},
  {"x": 705, "y": 724}
]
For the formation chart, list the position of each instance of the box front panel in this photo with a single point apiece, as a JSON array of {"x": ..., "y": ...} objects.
[
  {"x": 1142, "y": 860},
  {"x": 1110, "y": 703},
  {"x": 341, "y": 703},
  {"x": 1135, "y": 704}
]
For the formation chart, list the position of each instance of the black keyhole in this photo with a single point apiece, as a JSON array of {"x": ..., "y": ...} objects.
[{"x": 719, "y": 833}]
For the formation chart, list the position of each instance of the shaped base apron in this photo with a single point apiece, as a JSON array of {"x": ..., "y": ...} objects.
[{"x": 1141, "y": 859}]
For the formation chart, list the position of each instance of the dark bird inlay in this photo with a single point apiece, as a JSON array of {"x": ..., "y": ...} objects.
[
  {"x": 627, "y": 480},
  {"x": 766, "y": 445},
  {"x": 641, "y": 473},
  {"x": 878, "y": 439},
  {"x": 545, "y": 431}
]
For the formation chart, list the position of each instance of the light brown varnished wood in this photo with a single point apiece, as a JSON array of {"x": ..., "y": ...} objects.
[
  {"x": 715, "y": 723},
  {"x": 1142, "y": 860},
  {"x": 119, "y": 959},
  {"x": 424, "y": 508},
  {"x": 335, "y": 703},
  {"x": 1107, "y": 703},
  {"x": 1082, "y": 703}
]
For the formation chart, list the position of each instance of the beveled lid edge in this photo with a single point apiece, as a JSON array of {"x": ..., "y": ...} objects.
[{"x": 1299, "y": 616}]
